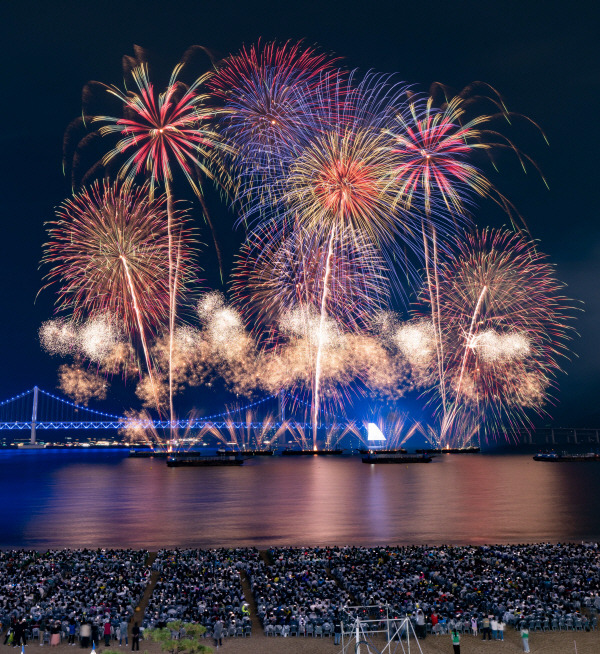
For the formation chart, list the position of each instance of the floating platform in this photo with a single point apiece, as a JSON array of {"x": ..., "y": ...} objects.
[
  {"x": 182, "y": 461},
  {"x": 399, "y": 450},
  {"x": 397, "y": 458},
  {"x": 451, "y": 450},
  {"x": 590, "y": 457},
  {"x": 291, "y": 452},
  {"x": 146, "y": 454},
  {"x": 223, "y": 452}
]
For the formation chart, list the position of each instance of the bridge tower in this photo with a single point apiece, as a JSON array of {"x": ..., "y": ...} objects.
[
  {"x": 33, "y": 444},
  {"x": 282, "y": 405},
  {"x": 34, "y": 416}
]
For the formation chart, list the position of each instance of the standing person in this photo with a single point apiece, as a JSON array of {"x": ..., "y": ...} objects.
[
  {"x": 107, "y": 628},
  {"x": 501, "y": 625},
  {"x": 474, "y": 625},
  {"x": 337, "y": 632},
  {"x": 19, "y": 637},
  {"x": 485, "y": 628},
  {"x": 525, "y": 639},
  {"x": 456, "y": 641},
  {"x": 421, "y": 624},
  {"x": 135, "y": 638},
  {"x": 55, "y": 634},
  {"x": 123, "y": 632},
  {"x": 72, "y": 628},
  {"x": 85, "y": 633},
  {"x": 494, "y": 626},
  {"x": 218, "y": 632}
]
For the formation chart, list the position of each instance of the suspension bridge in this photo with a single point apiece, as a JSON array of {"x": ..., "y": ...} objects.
[{"x": 37, "y": 409}]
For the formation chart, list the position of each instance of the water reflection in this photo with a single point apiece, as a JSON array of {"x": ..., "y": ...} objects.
[{"x": 83, "y": 499}]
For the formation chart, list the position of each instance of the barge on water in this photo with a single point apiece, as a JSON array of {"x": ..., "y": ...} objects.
[
  {"x": 146, "y": 454},
  {"x": 569, "y": 458},
  {"x": 186, "y": 461},
  {"x": 396, "y": 458},
  {"x": 451, "y": 450},
  {"x": 244, "y": 452},
  {"x": 292, "y": 452},
  {"x": 399, "y": 450}
]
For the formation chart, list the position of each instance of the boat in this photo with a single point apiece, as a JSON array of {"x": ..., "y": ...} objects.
[
  {"x": 145, "y": 454},
  {"x": 399, "y": 450},
  {"x": 223, "y": 452},
  {"x": 182, "y": 461},
  {"x": 292, "y": 452},
  {"x": 561, "y": 458},
  {"x": 451, "y": 450},
  {"x": 375, "y": 457}
]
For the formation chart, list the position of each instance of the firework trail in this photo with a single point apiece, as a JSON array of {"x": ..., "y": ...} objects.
[
  {"x": 435, "y": 148},
  {"x": 173, "y": 127},
  {"x": 247, "y": 433},
  {"x": 343, "y": 182},
  {"x": 108, "y": 250},
  {"x": 270, "y": 98},
  {"x": 462, "y": 432},
  {"x": 505, "y": 326},
  {"x": 280, "y": 271}
]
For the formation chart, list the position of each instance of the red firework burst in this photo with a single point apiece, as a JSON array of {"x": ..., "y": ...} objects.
[{"x": 109, "y": 252}]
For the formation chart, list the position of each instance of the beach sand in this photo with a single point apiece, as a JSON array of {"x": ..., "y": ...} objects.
[{"x": 557, "y": 642}]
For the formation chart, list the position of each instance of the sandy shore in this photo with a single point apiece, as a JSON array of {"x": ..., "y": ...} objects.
[{"x": 557, "y": 642}]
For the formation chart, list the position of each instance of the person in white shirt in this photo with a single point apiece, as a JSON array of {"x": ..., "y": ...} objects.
[
  {"x": 501, "y": 625},
  {"x": 494, "y": 626}
]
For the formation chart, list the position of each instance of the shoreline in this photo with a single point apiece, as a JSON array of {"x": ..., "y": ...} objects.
[{"x": 563, "y": 642}]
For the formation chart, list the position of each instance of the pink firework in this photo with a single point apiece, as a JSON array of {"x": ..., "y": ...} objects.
[
  {"x": 270, "y": 96},
  {"x": 109, "y": 252},
  {"x": 504, "y": 325},
  {"x": 280, "y": 271},
  {"x": 161, "y": 129}
]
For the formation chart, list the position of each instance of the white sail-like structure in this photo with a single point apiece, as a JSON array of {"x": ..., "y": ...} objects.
[{"x": 374, "y": 434}]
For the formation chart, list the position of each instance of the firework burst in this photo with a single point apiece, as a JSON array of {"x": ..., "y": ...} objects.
[
  {"x": 80, "y": 384},
  {"x": 108, "y": 251},
  {"x": 505, "y": 325},
  {"x": 270, "y": 98},
  {"x": 279, "y": 272},
  {"x": 159, "y": 130},
  {"x": 343, "y": 180}
]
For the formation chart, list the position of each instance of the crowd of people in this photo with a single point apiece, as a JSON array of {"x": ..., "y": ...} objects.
[
  {"x": 86, "y": 595},
  {"x": 294, "y": 592},
  {"x": 543, "y": 587},
  {"x": 202, "y": 586},
  {"x": 69, "y": 594}
]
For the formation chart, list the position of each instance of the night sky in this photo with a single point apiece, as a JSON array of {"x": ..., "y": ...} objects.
[{"x": 541, "y": 56}]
